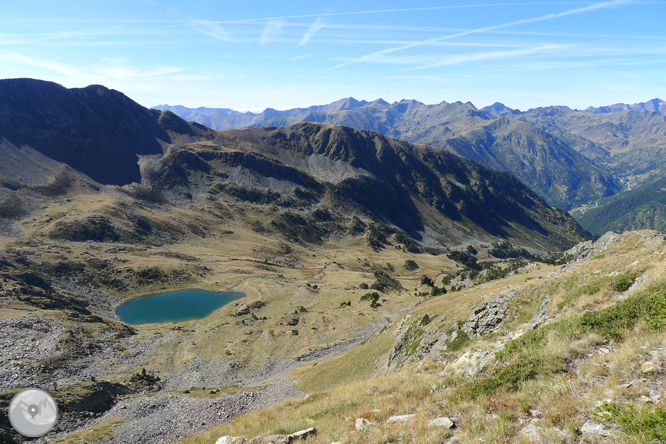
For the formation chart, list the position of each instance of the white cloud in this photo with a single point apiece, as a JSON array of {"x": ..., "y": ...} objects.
[
  {"x": 212, "y": 29},
  {"x": 271, "y": 32},
  {"x": 16, "y": 59},
  {"x": 297, "y": 58},
  {"x": 467, "y": 58},
  {"x": 369, "y": 57},
  {"x": 316, "y": 26}
]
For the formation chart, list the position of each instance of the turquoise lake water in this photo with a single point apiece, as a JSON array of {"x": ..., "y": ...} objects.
[{"x": 174, "y": 307}]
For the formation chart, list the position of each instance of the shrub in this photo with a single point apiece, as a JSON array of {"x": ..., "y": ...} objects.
[
  {"x": 649, "y": 422},
  {"x": 622, "y": 282},
  {"x": 464, "y": 258},
  {"x": 411, "y": 265},
  {"x": 512, "y": 376},
  {"x": 436, "y": 291},
  {"x": 372, "y": 297},
  {"x": 505, "y": 250},
  {"x": 363, "y": 286},
  {"x": 425, "y": 280},
  {"x": 459, "y": 342},
  {"x": 408, "y": 243},
  {"x": 385, "y": 282}
]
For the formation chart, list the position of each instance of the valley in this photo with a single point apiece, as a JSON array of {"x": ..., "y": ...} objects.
[
  {"x": 380, "y": 278},
  {"x": 571, "y": 158}
]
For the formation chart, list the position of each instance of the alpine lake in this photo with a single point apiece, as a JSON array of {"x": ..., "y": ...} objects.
[{"x": 175, "y": 306}]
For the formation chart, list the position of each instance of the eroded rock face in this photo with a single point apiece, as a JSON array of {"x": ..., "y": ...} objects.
[
  {"x": 585, "y": 250},
  {"x": 540, "y": 316},
  {"x": 488, "y": 317}
]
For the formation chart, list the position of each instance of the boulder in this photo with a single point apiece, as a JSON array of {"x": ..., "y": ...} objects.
[
  {"x": 592, "y": 428},
  {"x": 585, "y": 250},
  {"x": 283, "y": 439},
  {"x": 651, "y": 367},
  {"x": 230, "y": 440},
  {"x": 487, "y": 317},
  {"x": 362, "y": 424},
  {"x": 531, "y": 433},
  {"x": 303, "y": 434},
  {"x": 400, "y": 418},
  {"x": 470, "y": 363},
  {"x": 442, "y": 422}
]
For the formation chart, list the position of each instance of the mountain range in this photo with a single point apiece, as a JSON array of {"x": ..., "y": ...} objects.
[
  {"x": 571, "y": 158},
  {"x": 317, "y": 180},
  {"x": 385, "y": 290}
]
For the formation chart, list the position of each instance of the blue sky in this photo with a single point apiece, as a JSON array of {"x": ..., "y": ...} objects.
[{"x": 252, "y": 55}]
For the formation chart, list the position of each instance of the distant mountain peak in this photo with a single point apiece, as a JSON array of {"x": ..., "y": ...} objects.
[
  {"x": 655, "y": 105},
  {"x": 497, "y": 109}
]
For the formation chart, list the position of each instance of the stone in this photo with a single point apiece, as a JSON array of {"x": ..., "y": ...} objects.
[
  {"x": 303, "y": 434},
  {"x": 651, "y": 367},
  {"x": 282, "y": 439},
  {"x": 230, "y": 440},
  {"x": 442, "y": 422},
  {"x": 400, "y": 418},
  {"x": 592, "y": 428},
  {"x": 532, "y": 433},
  {"x": 362, "y": 424},
  {"x": 471, "y": 363},
  {"x": 540, "y": 316},
  {"x": 486, "y": 318},
  {"x": 654, "y": 395},
  {"x": 535, "y": 413}
]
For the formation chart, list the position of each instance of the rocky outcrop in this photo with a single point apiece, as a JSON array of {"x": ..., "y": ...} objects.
[
  {"x": 592, "y": 429},
  {"x": 471, "y": 363},
  {"x": 540, "y": 317},
  {"x": 488, "y": 317},
  {"x": 587, "y": 250},
  {"x": 271, "y": 439}
]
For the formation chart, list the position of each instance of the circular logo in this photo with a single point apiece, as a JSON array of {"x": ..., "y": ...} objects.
[{"x": 33, "y": 412}]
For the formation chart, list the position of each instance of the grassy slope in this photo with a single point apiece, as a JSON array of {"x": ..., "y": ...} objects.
[{"x": 573, "y": 372}]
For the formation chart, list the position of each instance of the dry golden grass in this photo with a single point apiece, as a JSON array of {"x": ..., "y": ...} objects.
[
  {"x": 353, "y": 385},
  {"x": 558, "y": 403}
]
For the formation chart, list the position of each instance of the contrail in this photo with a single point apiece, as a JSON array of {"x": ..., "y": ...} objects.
[{"x": 476, "y": 31}]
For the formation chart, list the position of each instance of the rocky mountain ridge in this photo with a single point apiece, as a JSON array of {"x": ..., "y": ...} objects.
[
  {"x": 620, "y": 146},
  {"x": 313, "y": 177}
]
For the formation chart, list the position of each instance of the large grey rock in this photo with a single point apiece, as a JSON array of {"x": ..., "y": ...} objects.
[
  {"x": 470, "y": 363},
  {"x": 230, "y": 440},
  {"x": 282, "y": 439},
  {"x": 487, "y": 317},
  {"x": 532, "y": 433},
  {"x": 303, "y": 434},
  {"x": 588, "y": 249},
  {"x": 592, "y": 428},
  {"x": 442, "y": 422},
  {"x": 400, "y": 418}
]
